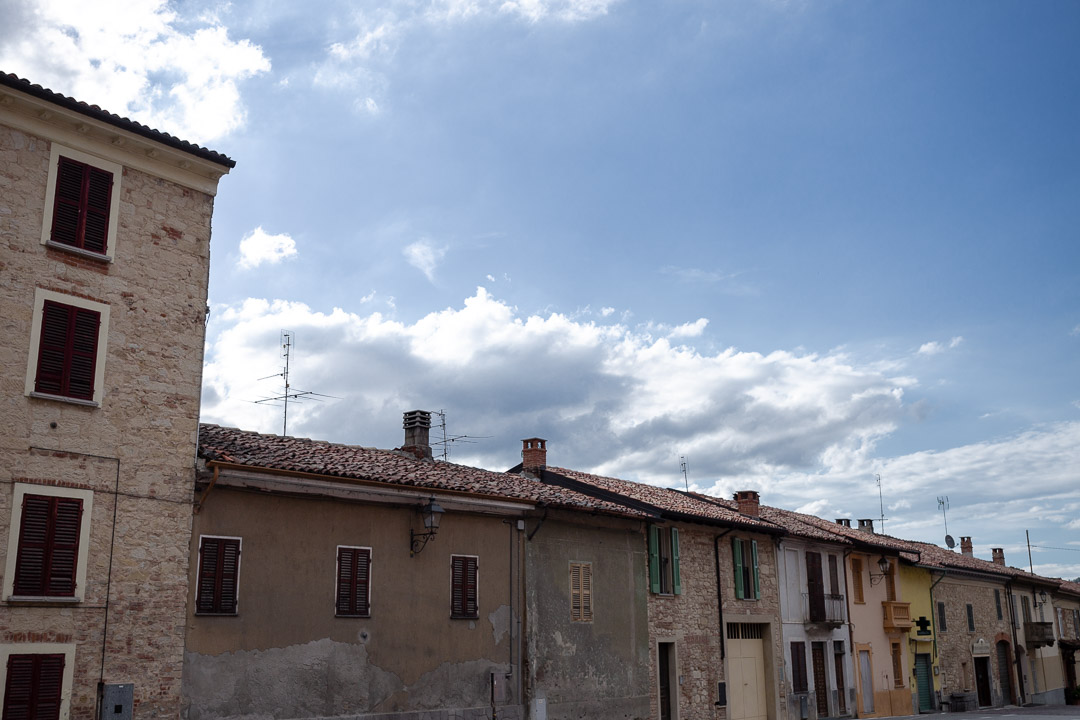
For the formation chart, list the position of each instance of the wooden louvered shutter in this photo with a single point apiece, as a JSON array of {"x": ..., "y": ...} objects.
[
  {"x": 581, "y": 592},
  {"x": 84, "y": 336},
  {"x": 463, "y": 587},
  {"x": 856, "y": 579},
  {"x": 219, "y": 570},
  {"x": 48, "y": 546},
  {"x": 654, "y": 558},
  {"x": 52, "y": 351},
  {"x": 34, "y": 686},
  {"x": 737, "y": 559},
  {"x": 676, "y": 577},
  {"x": 757, "y": 577},
  {"x": 586, "y": 592},
  {"x": 67, "y": 354},
  {"x": 354, "y": 572},
  {"x": 575, "y": 591},
  {"x": 81, "y": 206}
]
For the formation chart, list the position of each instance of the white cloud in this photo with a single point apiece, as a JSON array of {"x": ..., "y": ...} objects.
[
  {"x": 142, "y": 61},
  {"x": 424, "y": 256},
  {"x": 259, "y": 247},
  {"x": 1075, "y": 330},
  {"x": 813, "y": 508},
  {"x": 689, "y": 330},
  {"x": 936, "y": 348},
  {"x": 490, "y": 277},
  {"x": 606, "y": 311}
]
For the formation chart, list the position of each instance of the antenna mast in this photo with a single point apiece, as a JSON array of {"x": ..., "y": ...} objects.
[
  {"x": 286, "y": 345},
  {"x": 881, "y": 504},
  {"x": 943, "y": 505},
  {"x": 448, "y": 439},
  {"x": 685, "y": 468}
]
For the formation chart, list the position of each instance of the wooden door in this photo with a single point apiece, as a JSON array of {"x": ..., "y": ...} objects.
[
  {"x": 746, "y": 670},
  {"x": 866, "y": 682},
  {"x": 821, "y": 684},
  {"x": 1005, "y": 672},
  {"x": 924, "y": 682},
  {"x": 815, "y": 587},
  {"x": 841, "y": 688},
  {"x": 982, "y": 681}
]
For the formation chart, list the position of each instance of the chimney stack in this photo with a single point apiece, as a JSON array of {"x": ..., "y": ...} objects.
[
  {"x": 533, "y": 454},
  {"x": 999, "y": 555},
  {"x": 417, "y": 424},
  {"x": 748, "y": 501},
  {"x": 866, "y": 524},
  {"x": 966, "y": 548},
  {"x": 846, "y": 522}
]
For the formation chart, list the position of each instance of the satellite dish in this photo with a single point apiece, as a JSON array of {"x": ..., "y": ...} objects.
[{"x": 950, "y": 542}]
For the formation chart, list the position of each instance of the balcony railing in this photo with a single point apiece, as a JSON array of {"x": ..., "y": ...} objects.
[
  {"x": 1039, "y": 634},
  {"x": 897, "y": 615},
  {"x": 824, "y": 608}
]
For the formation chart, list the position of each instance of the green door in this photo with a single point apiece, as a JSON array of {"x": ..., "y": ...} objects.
[{"x": 924, "y": 681}]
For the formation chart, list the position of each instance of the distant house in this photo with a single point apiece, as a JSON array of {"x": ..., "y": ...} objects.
[
  {"x": 104, "y": 259},
  {"x": 331, "y": 580}
]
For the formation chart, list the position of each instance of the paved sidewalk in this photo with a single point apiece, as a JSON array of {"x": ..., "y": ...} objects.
[{"x": 1012, "y": 711}]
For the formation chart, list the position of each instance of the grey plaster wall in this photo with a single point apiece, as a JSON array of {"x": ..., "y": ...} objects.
[{"x": 597, "y": 669}]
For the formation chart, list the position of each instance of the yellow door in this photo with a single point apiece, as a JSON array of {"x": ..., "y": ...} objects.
[{"x": 746, "y": 672}]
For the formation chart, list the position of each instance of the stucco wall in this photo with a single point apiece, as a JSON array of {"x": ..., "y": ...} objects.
[
  {"x": 144, "y": 430},
  {"x": 285, "y": 654},
  {"x": 598, "y": 668}
]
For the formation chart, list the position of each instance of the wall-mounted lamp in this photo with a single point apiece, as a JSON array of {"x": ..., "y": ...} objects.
[
  {"x": 884, "y": 566},
  {"x": 1043, "y": 597},
  {"x": 432, "y": 514}
]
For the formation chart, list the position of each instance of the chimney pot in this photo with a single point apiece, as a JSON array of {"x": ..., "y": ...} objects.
[
  {"x": 417, "y": 424},
  {"x": 749, "y": 502},
  {"x": 533, "y": 454},
  {"x": 999, "y": 555},
  {"x": 846, "y": 522},
  {"x": 966, "y": 547},
  {"x": 866, "y": 524}
]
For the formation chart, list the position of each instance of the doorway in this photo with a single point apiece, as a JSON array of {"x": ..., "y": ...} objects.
[
  {"x": 1004, "y": 659},
  {"x": 982, "y": 681},
  {"x": 746, "y": 671},
  {"x": 841, "y": 687},
  {"x": 924, "y": 682},
  {"x": 866, "y": 681},
  {"x": 821, "y": 685},
  {"x": 666, "y": 671}
]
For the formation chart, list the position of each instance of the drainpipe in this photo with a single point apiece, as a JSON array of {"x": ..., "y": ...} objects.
[
  {"x": 719, "y": 592},
  {"x": 1016, "y": 655},
  {"x": 855, "y": 669}
]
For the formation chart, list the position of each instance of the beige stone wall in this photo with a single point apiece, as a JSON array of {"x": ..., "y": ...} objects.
[
  {"x": 136, "y": 451},
  {"x": 955, "y": 643}
]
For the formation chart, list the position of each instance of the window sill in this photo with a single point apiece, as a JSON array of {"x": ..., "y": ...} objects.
[
  {"x": 64, "y": 398},
  {"x": 465, "y": 617},
  {"x": 51, "y": 599},
  {"x": 216, "y": 614},
  {"x": 89, "y": 254},
  {"x": 352, "y": 617}
]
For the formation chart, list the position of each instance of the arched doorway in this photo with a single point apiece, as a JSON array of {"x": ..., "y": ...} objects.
[{"x": 1004, "y": 662}]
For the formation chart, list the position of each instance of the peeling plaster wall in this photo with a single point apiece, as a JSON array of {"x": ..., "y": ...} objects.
[
  {"x": 597, "y": 669},
  {"x": 286, "y": 655}
]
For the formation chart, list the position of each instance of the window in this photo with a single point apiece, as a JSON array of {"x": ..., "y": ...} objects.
[
  {"x": 971, "y": 617},
  {"x": 1076, "y": 623},
  {"x": 34, "y": 686},
  {"x": 799, "y": 682},
  {"x": 897, "y": 666},
  {"x": 834, "y": 575},
  {"x": 48, "y": 541},
  {"x": 353, "y": 581},
  {"x": 1025, "y": 602},
  {"x": 997, "y": 603},
  {"x": 664, "y": 577},
  {"x": 890, "y": 583},
  {"x": 857, "y": 579},
  {"x": 747, "y": 582},
  {"x": 67, "y": 348},
  {"x": 219, "y": 574},
  {"x": 463, "y": 600},
  {"x": 581, "y": 592},
  {"x": 942, "y": 625},
  {"x": 81, "y": 203}
]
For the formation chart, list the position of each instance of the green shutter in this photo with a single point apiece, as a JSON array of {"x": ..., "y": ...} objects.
[
  {"x": 654, "y": 559},
  {"x": 676, "y": 582},
  {"x": 757, "y": 582},
  {"x": 736, "y": 553}
]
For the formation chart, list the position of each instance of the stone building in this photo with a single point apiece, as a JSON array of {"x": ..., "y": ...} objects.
[{"x": 104, "y": 259}]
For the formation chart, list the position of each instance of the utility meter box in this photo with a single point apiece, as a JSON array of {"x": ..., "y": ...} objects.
[{"x": 116, "y": 701}]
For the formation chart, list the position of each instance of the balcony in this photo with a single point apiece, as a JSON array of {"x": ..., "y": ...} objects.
[
  {"x": 897, "y": 616},
  {"x": 823, "y": 608},
  {"x": 1039, "y": 634}
]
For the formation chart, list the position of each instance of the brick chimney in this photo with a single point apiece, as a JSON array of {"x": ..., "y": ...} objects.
[
  {"x": 966, "y": 548},
  {"x": 417, "y": 424},
  {"x": 748, "y": 501},
  {"x": 533, "y": 454},
  {"x": 999, "y": 555},
  {"x": 866, "y": 524},
  {"x": 846, "y": 522}
]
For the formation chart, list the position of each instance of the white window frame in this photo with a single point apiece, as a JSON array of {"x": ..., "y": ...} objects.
[
  {"x": 22, "y": 490},
  {"x": 117, "y": 170},
  {"x": 40, "y": 296},
  {"x": 198, "y": 574},
  {"x": 65, "y": 649},
  {"x": 337, "y": 574}
]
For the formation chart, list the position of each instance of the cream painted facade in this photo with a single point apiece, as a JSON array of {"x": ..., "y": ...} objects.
[{"x": 124, "y": 454}]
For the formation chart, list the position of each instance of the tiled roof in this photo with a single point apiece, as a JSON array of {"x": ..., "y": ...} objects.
[
  {"x": 801, "y": 525},
  {"x": 302, "y": 455},
  {"x": 885, "y": 543},
  {"x": 666, "y": 500},
  {"x": 93, "y": 111}
]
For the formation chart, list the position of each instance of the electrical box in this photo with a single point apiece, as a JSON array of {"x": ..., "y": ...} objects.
[
  {"x": 116, "y": 701},
  {"x": 721, "y": 694},
  {"x": 498, "y": 687},
  {"x": 538, "y": 707}
]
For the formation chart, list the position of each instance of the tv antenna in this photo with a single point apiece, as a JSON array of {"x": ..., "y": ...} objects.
[
  {"x": 943, "y": 505},
  {"x": 685, "y": 469},
  {"x": 448, "y": 440},
  {"x": 881, "y": 504},
  {"x": 287, "y": 339}
]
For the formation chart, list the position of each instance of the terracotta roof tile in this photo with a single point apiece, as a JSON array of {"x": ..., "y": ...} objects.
[{"x": 302, "y": 455}]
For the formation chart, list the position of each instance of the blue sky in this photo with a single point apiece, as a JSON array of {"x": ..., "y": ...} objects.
[{"x": 801, "y": 244}]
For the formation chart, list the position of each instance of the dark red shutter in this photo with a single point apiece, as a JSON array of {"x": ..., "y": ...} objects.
[
  {"x": 354, "y": 572},
  {"x": 463, "y": 586},
  {"x": 81, "y": 206},
  {"x": 34, "y": 687},
  {"x": 48, "y": 546},
  {"x": 219, "y": 570},
  {"x": 470, "y": 587},
  {"x": 67, "y": 354}
]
